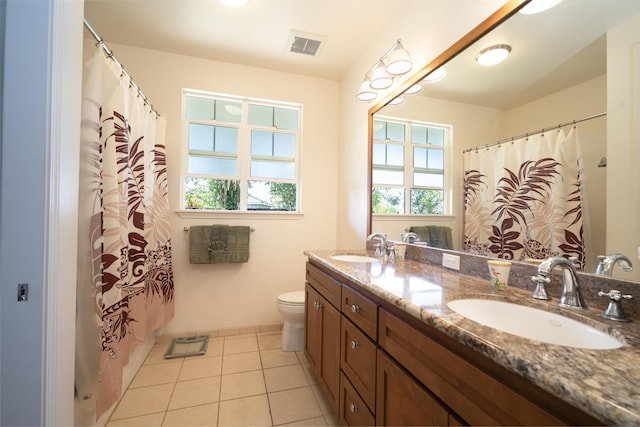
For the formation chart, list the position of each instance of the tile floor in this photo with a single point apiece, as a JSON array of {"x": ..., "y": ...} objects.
[{"x": 242, "y": 380}]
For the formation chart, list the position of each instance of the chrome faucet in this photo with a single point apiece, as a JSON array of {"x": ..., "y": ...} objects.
[
  {"x": 410, "y": 237},
  {"x": 571, "y": 296},
  {"x": 381, "y": 248},
  {"x": 606, "y": 263}
]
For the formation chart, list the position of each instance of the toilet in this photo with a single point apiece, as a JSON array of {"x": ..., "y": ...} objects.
[{"x": 291, "y": 306}]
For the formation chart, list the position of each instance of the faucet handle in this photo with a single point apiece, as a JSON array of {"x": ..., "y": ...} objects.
[
  {"x": 614, "y": 309},
  {"x": 540, "y": 292}
]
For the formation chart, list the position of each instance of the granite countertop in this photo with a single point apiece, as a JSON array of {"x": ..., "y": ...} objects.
[{"x": 603, "y": 383}]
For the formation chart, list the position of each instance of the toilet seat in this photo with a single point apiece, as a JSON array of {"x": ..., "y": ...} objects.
[{"x": 292, "y": 298}]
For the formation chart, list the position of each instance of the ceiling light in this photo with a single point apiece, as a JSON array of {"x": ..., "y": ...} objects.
[
  {"x": 397, "y": 100},
  {"x": 537, "y": 6},
  {"x": 234, "y": 3},
  {"x": 435, "y": 76},
  {"x": 416, "y": 88},
  {"x": 493, "y": 55},
  {"x": 397, "y": 61}
]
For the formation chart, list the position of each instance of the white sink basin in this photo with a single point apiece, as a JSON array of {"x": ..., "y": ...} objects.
[
  {"x": 534, "y": 324},
  {"x": 355, "y": 258}
]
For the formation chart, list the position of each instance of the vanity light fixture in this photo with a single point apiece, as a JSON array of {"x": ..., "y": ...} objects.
[
  {"x": 394, "y": 63},
  {"x": 436, "y": 76},
  {"x": 537, "y": 6},
  {"x": 493, "y": 54},
  {"x": 397, "y": 100},
  {"x": 416, "y": 88}
]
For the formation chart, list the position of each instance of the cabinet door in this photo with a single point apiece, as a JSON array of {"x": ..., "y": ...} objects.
[
  {"x": 353, "y": 411},
  {"x": 402, "y": 401},
  {"x": 322, "y": 344},
  {"x": 358, "y": 362}
]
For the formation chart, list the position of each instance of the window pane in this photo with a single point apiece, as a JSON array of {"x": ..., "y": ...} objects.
[
  {"x": 387, "y": 200},
  {"x": 395, "y": 132},
  {"x": 436, "y": 136},
  {"x": 428, "y": 179},
  {"x": 395, "y": 155},
  {"x": 264, "y": 195},
  {"x": 200, "y": 137},
  {"x": 226, "y": 140},
  {"x": 427, "y": 202},
  {"x": 379, "y": 130},
  {"x": 436, "y": 159},
  {"x": 261, "y": 143},
  {"x": 381, "y": 176},
  {"x": 418, "y": 134},
  {"x": 202, "y": 193},
  {"x": 228, "y": 111},
  {"x": 419, "y": 157},
  {"x": 284, "y": 145},
  {"x": 379, "y": 154},
  {"x": 199, "y": 108},
  {"x": 267, "y": 169},
  {"x": 286, "y": 118},
  {"x": 213, "y": 165},
  {"x": 260, "y": 115}
]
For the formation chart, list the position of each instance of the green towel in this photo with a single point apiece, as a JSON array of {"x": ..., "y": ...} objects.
[
  {"x": 238, "y": 244},
  {"x": 219, "y": 245},
  {"x": 199, "y": 240}
]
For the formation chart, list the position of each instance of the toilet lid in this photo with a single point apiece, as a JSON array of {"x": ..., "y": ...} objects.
[{"x": 296, "y": 297}]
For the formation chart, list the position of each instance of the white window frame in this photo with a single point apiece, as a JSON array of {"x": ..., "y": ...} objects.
[
  {"x": 243, "y": 156},
  {"x": 409, "y": 170}
]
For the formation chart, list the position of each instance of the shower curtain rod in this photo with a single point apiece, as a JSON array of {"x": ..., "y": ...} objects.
[
  {"x": 543, "y": 130},
  {"x": 110, "y": 54}
]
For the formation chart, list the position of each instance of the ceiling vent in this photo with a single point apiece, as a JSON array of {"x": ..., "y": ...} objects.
[{"x": 305, "y": 43}]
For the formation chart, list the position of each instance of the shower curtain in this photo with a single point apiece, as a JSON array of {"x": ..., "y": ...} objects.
[
  {"x": 523, "y": 198},
  {"x": 129, "y": 236}
]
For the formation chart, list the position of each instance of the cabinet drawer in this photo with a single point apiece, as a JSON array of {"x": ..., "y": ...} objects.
[
  {"x": 353, "y": 411},
  {"x": 361, "y": 311},
  {"x": 325, "y": 284},
  {"x": 358, "y": 361},
  {"x": 474, "y": 395}
]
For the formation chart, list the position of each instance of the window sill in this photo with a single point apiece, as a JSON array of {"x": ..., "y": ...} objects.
[
  {"x": 404, "y": 218},
  {"x": 199, "y": 213}
]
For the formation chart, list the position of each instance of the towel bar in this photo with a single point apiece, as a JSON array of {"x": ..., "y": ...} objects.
[{"x": 187, "y": 229}]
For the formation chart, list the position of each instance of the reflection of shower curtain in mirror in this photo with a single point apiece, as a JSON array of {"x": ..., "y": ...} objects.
[
  {"x": 129, "y": 222},
  {"x": 523, "y": 198}
]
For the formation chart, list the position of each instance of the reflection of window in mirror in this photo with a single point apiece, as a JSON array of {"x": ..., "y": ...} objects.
[{"x": 409, "y": 167}]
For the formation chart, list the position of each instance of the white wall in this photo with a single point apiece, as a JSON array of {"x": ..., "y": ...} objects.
[
  {"x": 623, "y": 136},
  {"x": 427, "y": 28},
  {"x": 227, "y": 296}
]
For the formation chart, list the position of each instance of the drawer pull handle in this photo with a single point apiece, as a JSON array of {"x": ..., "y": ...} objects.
[
  {"x": 353, "y": 407},
  {"x": 355, "y": 308},
  {"x": 355, "y": 345}
]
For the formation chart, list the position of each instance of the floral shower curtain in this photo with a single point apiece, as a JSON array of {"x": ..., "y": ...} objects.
[
  {"x": 129, "y": 223},
  {"x": 523, "y": 198}
]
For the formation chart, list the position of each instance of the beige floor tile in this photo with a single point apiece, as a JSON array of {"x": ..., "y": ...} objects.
[
  {"x": 284, "y": 378},
  {"x": 322, "y": 401},
  {"x": 143, "y": 401},
  {"x": 331, "y": 420},
  {"x": 195, "y": 392},
  {"x": 311, "y": 422},
  {"x": 293, "y": 405},
  {"x": 243, "y": 384},
  {"x": 277, "y": 357},
  {"x": 156, "y": 355},
  {"x": 241, "y": 362},
  {"x": 311, "y": 377},
  {"x": 152, "y": 420},
  {"x": 240, "y": 344},
  {"x": 248, "y": 411},
  {"x": 214, "y": 347},
  {"x": 196, "y": 367},
  {"x": 302, "y": 357},
  {"x": 202, "y": 415},
  {"x": 269, "y": 341},
  {"x": 160, "y": 373}
]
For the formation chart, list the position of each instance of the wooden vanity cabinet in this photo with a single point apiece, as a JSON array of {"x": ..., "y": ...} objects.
[{"x": 322, "y": 332}]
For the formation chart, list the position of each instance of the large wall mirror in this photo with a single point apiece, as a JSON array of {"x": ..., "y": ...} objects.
[{"x": 556, "y": 74}]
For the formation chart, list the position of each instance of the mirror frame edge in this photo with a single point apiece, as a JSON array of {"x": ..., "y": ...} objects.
[{"x": 510, "y": 8}]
